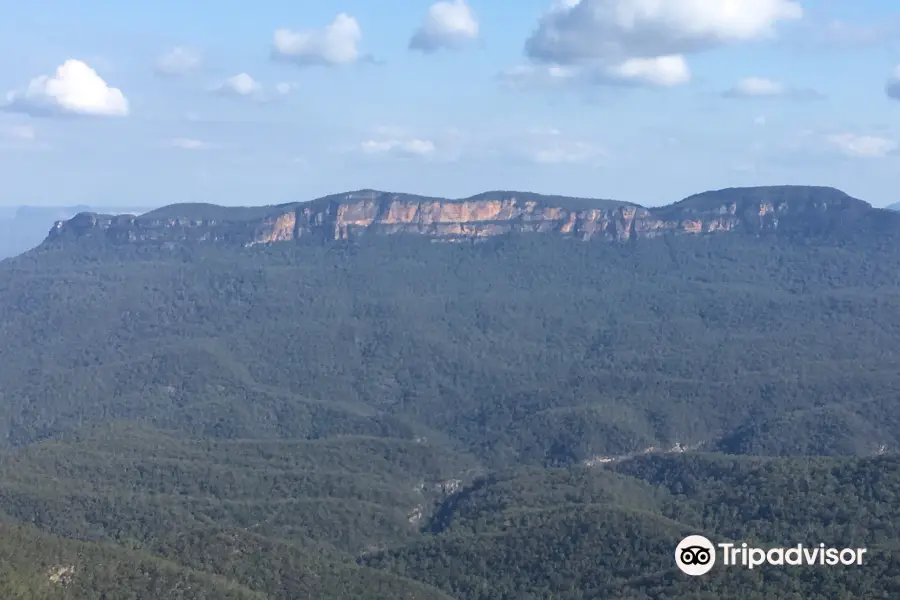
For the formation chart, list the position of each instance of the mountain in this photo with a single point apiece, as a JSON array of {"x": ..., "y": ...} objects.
[
  {"x": 351, "y": 215},
  {"x": 895, "y": 206},
  {"x": 351, "y": 414},
  {"x": 22, "y": 228}
]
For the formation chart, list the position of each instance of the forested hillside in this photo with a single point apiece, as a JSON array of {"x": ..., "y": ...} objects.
[{"x": 527, "y": 417}]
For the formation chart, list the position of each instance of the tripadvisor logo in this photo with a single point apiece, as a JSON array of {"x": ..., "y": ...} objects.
[{"x": 695, "y": 555}]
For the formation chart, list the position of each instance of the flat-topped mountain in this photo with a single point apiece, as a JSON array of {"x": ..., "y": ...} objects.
[{"x": 349, "y": 215}]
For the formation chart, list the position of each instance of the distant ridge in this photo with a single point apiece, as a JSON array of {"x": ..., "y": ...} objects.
[
  {"x": 789, "y": 210},
  {"x": 201, "y": 211}
]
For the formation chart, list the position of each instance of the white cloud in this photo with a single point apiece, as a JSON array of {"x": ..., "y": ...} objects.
[
  {"x": 662, "y": 71},
  {"x": 189, "y": 144},
  {"x": 862, "y": 146},
  {"x": 399, "y": 147},
  {"x": 614, "y": 31},
  {"x": 892, "y": 87},
  {"x": 760, "y": 120},
  {"x": 178, "y": 61},
  {"x": 448, "y": 24},
  {"x": 335, "y": 44},
  {"x": 75, "y": 89},
  {"x": 241, "y": 84},
  {"x": 442, "y": 145}
]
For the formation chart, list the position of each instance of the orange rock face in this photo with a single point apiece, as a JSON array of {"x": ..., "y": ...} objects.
[
  {"x": 484, "y": 218},
  {"x": 280, "y": 229},
  {"x": 693, "y": 226},
  {"x": 346, "y": 216}
]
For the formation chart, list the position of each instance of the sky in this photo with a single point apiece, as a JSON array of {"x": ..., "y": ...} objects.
[{"x": 141, "y": 103}]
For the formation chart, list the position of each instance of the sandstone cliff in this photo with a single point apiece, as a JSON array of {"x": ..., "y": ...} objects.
[{"x": 350, "y": 215}]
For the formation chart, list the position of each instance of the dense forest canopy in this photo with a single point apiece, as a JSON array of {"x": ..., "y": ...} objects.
[{"x": 526, "y": 417}]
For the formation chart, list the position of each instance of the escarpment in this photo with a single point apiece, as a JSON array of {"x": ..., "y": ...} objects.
[{"x": 355, "y": 214}]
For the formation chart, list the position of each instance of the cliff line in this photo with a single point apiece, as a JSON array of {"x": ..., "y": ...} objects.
[{"x": 350, "y": 215}]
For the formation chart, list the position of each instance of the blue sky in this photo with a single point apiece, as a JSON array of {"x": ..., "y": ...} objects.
[{"x": 149, "y": 103}]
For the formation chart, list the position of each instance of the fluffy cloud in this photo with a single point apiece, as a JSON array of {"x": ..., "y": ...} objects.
[
  {"x": 862, "y": 146},
  {"x": 178, "y": 61},
  {"x": 892, "y": 87},
  {"x": 75, "y": 89},
  {"x": 335, "y": 44},
  {"x": 241, "y": 84},
  {"x": 448, "y": 24},
  {"x": 661, "y": 71},
  {"x": 759, "y": 87},
  {"x": 586, "y": 31}
]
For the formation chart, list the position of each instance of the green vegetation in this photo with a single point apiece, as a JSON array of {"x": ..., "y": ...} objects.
[
  {"x": 283, "y": 519},
  {"x": 34, "y": 565},
  {"x": 538, "y": 350},
  {"x": 610, "y": 532},
  {"x": 401, "y": 419}
]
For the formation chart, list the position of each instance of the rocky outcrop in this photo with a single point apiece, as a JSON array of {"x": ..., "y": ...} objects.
[
  {"x": 349, "y": 216},
  {"x": 474, "y": 219},
  {"x": 282, "y": 228}
]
